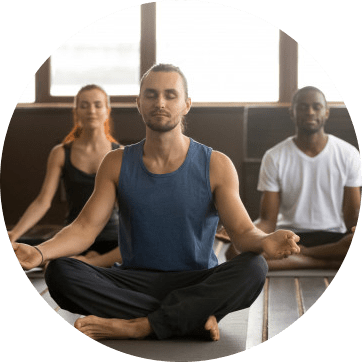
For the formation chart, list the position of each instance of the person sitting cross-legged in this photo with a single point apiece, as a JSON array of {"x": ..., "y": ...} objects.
[
  {"x": 171, "y": 191},
  {"x": 310, "y": 184}
]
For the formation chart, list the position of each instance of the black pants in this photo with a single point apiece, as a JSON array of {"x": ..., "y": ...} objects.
[
  {"x": 316, "y": 238},
  {"x": 176, "y": 303}
]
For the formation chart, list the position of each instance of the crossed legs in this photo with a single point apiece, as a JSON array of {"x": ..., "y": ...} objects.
[
  {"x": 123, "y": 304},
  {"x": 319, "y": 250}
]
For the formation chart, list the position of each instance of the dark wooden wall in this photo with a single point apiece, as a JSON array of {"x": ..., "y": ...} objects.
[{"x": 242, "y": 133}]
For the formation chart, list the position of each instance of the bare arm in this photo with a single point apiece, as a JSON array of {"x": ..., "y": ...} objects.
[
  {"x": 351, "y": 206},
  {"x": 269, "y": 209},
  {"x": 243, "y": 233},
  {"x": 39, "y": 207},
  {"x": 79, "y": 235}
]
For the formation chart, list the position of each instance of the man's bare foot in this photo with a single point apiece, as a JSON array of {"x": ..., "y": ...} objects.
[
  {"x": 103, "y": 328},
  {"x": 212, "y": 326}
]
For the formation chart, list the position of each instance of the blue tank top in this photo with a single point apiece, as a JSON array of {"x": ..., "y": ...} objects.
[{"x": 167, "y": 221}]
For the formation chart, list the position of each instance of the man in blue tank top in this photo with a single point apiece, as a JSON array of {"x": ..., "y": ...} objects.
[{"x": 171, "y": 192}]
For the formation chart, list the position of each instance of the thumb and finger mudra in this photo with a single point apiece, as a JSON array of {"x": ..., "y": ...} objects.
[
  {"x": 287, "y": 243},
  {"x": 292, "y": 240}
]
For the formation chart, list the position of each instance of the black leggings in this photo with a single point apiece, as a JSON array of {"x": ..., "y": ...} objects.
[{"x": 176, "y": 303}]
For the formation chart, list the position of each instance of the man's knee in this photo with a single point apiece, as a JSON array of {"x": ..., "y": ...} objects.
[
  {"x": 257, "y": 268},
  {"x": 250, "y": 268},
  {"x": 57, "y": 273},
  {"x": 247, "y": 274},
  {"x": 64, "y": 278},
  {"x": 255, "y": 264}
]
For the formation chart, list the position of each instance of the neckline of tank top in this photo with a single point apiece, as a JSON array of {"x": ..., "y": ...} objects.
[
  {"x": 81, "y": 171},
  {"x": 144, "y": 168}
]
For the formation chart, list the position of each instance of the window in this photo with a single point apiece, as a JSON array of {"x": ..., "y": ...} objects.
[
  {"x": 28, "y": 95},
  {"x": 311, "y": 73},
  {"x": 106, "y": 53},
  {"x": 226, "y": 54}
]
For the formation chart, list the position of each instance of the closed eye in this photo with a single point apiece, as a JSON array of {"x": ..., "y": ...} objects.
[
  {"x": 150, "y": 93},
  {"x": 317, "y": 106},
  {"x": 171, "y": 94},
  {"x": 84, "y": 105}
]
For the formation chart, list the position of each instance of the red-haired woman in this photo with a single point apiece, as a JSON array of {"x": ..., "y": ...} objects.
[{"x": 76, "y": 161}]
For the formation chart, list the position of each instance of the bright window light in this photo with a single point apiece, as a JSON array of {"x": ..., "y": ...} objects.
[
  {"x": 227, "y": 55},
  {"x": 28, "y": 95},
  {"x": 106, "y": 53},
  {"x": 311, "y": 73}
]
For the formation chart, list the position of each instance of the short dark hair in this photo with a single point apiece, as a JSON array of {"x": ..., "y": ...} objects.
[
  {"x": 305, "y": 90},
  {"x": 166, "y": 68}
]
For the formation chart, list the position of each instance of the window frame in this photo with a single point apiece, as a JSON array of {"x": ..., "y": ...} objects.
[{"x": 288, "y": 68}]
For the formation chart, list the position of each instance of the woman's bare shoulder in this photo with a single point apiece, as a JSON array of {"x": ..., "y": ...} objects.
[{"x": 57, "y": 154}]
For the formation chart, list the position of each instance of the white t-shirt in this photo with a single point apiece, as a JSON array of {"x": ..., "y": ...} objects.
[{"x": 311, "y": 188}]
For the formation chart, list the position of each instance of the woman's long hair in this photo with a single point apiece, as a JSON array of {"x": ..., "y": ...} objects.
[{"x": 77, "y": 130}]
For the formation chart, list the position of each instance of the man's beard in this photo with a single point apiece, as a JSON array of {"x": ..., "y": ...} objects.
[
  {"x": 303, "y": 126},
  {"x": 162, "y": 128},
  {"x": 311, "y": 131}
]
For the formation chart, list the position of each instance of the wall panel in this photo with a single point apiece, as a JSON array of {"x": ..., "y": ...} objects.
[{"x": 244, "y": 134}]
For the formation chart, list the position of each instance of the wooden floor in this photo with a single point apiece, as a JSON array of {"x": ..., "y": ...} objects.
[{"x": 286, "y": 297}]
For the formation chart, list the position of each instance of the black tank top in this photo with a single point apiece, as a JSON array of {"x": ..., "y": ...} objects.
[{"x": 79, "y": 187}]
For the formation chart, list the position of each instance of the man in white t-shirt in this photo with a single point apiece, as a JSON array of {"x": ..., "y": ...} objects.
[{"x": 311, "y": 185}]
